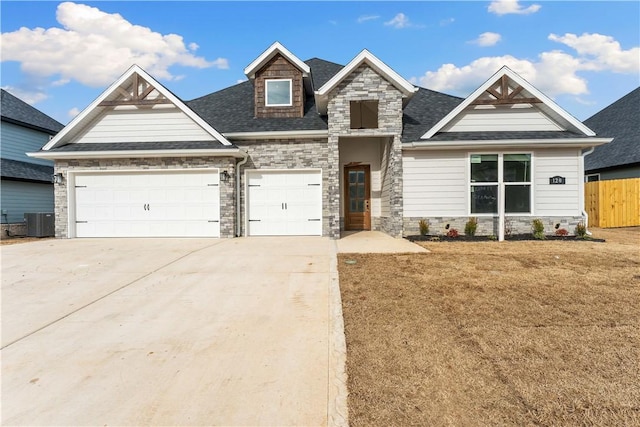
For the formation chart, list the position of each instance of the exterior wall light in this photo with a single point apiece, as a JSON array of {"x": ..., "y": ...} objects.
[
  {"x": 57, "y": 178},
  {"x": 224, "y": 176}
]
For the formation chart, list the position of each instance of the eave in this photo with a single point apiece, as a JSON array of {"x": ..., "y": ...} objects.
[
  {"x": 506, "y": 144},
  {"x": 122, "y": 154},
  {"x": 297, "y": 134}
]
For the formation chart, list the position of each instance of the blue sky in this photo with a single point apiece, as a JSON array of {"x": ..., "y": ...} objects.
[{"x": 59, "y": 56}]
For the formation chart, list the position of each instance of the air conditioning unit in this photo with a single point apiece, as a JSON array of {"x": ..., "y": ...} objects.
[{"x": 40, "y": 224}]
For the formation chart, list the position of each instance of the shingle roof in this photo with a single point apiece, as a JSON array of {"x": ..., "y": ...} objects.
[
  {"x": 425, "y": 109},
  {"x": 17, "y": 111},
  {"x": 621, "y": 121},
  {"x": 25, "y": 171},
  {"x": 502, "y": 135},
  {"x": 126, "y": 146}
]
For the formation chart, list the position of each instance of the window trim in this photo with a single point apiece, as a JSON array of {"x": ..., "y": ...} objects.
[
  {"x": 501, "y": 183},
  {"x": 266, "y": 92},
  {"x": 597, "y": 175}
]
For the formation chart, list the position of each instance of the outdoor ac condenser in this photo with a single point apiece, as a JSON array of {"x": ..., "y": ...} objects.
[{"x": 40, "y": 224}]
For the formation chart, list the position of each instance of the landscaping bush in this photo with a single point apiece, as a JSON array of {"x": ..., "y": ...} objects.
[
  {"x": 537, "y": 227},
  {"x": 424, "y": 227},
  {"x": 581, "y": 230},
  {"x": 562, "y": 232},
  {"x": 471, "y": 226},
  {"x": 453, "y": 233}
]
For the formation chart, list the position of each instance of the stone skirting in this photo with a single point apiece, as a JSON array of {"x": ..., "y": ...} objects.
[{"x": 488, "y": 226}]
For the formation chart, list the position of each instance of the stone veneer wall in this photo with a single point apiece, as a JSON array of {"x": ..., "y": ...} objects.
[
  {"x": 365, "y": 84},
  {"x": 227, "y": 200},
  {"x": 296, "y": 154},
  {"x": 488, "y": 226}
]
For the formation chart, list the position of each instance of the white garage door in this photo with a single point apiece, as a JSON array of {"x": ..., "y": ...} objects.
[
  {"x": 148, "y": 204},
  {"x": 282, "y": 203}
]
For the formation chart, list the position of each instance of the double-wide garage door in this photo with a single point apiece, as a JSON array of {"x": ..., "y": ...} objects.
[
  {"x": 282, "y": 203},
  {"x": 148, "y": 204}
]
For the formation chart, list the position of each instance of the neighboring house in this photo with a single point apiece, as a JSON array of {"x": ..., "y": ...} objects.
[
  {"x": 316, "y": 148},
  {"x": 26, "y": 182},
  {"x": 621, "y": 158}
]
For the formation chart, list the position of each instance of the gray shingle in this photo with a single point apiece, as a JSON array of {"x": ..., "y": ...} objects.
[
  {"x": 19, "y": 112},
  {"x": 25, "y": 171},
  {"x": 490, "y": 136},
  {"x": 127, "y": 146},
  {"x": 424, "y": 110},
  {"x": 621, "y": 121}
]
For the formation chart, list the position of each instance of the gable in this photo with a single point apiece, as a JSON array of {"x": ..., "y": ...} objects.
[
  {"x": 279, "y": 68},
  {"x": 136, "y": 108},
  {"x": 508, "y": 103}
]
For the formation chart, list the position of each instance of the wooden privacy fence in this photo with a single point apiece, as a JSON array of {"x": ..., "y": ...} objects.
[{"x": 614, "y": 203}]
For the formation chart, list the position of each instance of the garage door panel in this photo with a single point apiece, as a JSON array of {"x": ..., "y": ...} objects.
[
  {"x": 150, "y": 204},
  {"x": 284, "y": 203}
]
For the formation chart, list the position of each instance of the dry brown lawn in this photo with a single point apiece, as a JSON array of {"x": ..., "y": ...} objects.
[{"x": 490, "y": 334}]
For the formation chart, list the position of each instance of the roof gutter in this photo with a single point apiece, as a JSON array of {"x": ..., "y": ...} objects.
[
  {"x": 530, "y": 143},
  {"x": 120, "y": 154},
  {"x": 285, "y": 134},
  {"x": 239, "y": 164}
]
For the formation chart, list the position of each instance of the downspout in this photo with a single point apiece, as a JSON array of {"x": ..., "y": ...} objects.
[
  {"x": 584, "y": 212},
  {"x": 245, "y": 158}
]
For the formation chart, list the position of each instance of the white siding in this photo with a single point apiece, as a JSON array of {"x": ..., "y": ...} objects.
[
  {"x": 435, "y": 183},
  {"x": 557, "y": 199},
  {"x": 143, "y": 125},
  {"x": 508, "y": 118},
  {"x": 364, "y": 151}
]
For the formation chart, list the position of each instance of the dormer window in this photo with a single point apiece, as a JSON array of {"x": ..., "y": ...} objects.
[{"x": 278, "y": 93}]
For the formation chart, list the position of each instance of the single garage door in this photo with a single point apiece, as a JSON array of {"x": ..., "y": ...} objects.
[
  {"x": 284, "y": 203},
  {"x": 148, "y": 204}
]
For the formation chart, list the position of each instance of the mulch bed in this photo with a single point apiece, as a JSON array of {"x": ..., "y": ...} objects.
[{"x": 513, "y": 237}]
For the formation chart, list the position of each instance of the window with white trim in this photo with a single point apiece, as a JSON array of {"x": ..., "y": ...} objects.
[
  {"x": 488, "y": 171},
  {"x": 592, "y": 177},
  {"x": 278, "y": 93}
]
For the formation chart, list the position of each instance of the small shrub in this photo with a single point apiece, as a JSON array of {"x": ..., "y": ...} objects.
[
  {"x": 453, "y": 233},
  {"x": 424, "y": 227},
  {"x": 508, "y": 227},
  {"x": 537, "y": 226},
  {"x": 562, "y": 232},
  {"x": 492, "y": 237},
  {"x": 471, "y": 226},
  {"x": 581, "y": 230}
]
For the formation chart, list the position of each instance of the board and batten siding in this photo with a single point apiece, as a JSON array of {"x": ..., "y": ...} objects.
[
  {"x": 435, "y": 183},
  {"x": 501, "y": 118},
  {"x": 557, "y": 200},
  {"x": 143, "y": 125},
  {"x": 18, "y": 198},
  {"x": 18, "y": 140}
]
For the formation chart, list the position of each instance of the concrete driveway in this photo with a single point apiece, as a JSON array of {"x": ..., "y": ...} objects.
[{"x": 172, "y": 332}]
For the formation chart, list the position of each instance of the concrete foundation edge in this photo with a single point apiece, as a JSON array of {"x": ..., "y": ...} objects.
[{"x": 337, "y": 411}]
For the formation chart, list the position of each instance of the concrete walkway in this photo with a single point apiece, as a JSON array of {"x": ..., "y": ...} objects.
[
  {"x": 365, "y": 242},
  {"x": 172, "y": 332}
]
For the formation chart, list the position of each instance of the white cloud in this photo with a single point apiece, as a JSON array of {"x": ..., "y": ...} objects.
[
  {"x": 554, "y": 72},
  {"x": 399, "y": 21},
  {"x": 73, "y": 112},
  {"x": 603, "y": 52},
  {"x": 506, "y": 7},
  {"x": 487, "y": 39},
  {"x": 365, "y": 18},
  {"x": 31, "y": 96},
  {"x": 94, "y": 48}
]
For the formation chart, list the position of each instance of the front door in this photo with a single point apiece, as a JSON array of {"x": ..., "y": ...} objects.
[{"x": 357, "y": 201}]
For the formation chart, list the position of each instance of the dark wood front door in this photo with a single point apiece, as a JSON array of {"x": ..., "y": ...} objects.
[{"x": 357, "y": 200}]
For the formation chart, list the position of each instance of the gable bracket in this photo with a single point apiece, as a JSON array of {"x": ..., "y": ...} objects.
[
  {"x": 504, "y": 97},
  {"x": 136, "y": 98}
]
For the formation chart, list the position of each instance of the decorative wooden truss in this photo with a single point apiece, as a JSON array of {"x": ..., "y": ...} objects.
[
  {"x": 138, "y": 94},
  {"x": 503, "y": 96}
]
